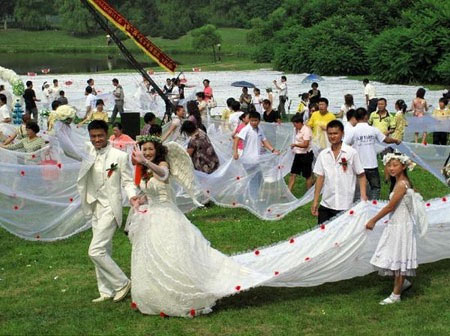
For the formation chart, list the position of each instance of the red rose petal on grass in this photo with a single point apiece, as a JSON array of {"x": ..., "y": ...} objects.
[
  {"x": 59, "y": 165},
  {"x": 292, "y": 241},
  {"x": 386, "y": 221},
  {"x": 278, "y": 215},
  {"x": 162, "y": 314},
  {"x": 142, "y": 211},
  {"x": 192, "y": 312},
  {"x": 276, "y": 272},
  {"x": 269, "y": 210},
  {"x": 374, "y": 202},
  {"x": 444, "y": 199},
  {"x": 351, "y": 212},
  {"x": 238, "y": 288},
  {"x": 22, "y": 173},
  {"x": 256, "y": 252},
  {"x": 428, "y": 204},
  {"x": 207, "y": 191},
  {"x": 322, "y": 226},
  {"x": 279, "y": 167},
  {"x": 307, "y": 259},
  {"x": 133, "y": 305}
]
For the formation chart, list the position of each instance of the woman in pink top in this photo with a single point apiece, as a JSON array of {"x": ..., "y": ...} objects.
[
  {"x": 207, "y": 90},
  {"x": 304, "y": 156},
  {"x": 119, "y": 140},
  {"x": 244, "y": 118},
  {"x": 419, "y": 106}
]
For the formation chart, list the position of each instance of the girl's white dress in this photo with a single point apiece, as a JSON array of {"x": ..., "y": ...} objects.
[{"x": 396, "y": 253}]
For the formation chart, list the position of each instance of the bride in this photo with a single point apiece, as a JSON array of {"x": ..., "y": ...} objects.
[{"x": 174, "y": 270}]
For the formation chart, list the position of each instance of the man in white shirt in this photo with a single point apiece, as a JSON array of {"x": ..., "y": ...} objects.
[
  {"x": 5, "y": 112},
  {"x": 283, "y": 95},
  {"x": 336, "y": 169},
  {"x": 364, "y": 138},
  {"x": 55, "y": 90},
  {"x": 370, "y": 95},
  {"x": 8, "y": 95},
  {"x": 350, "y": 124},
  {"x": 254, "y": 143},
  {"x": 91, "y": 99}
]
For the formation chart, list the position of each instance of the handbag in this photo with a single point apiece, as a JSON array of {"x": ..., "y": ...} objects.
[
  {"x": 212, "y": 103},
  {"x": 49, "y": 171}
]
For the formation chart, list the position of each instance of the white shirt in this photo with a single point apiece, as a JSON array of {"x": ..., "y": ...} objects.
[
  {"x": 348, "y": 130},
  {"x": 9, "y": 98},
  {"x": 369, "y": 90},
  {"x": 257, "y": 101},
  {"x": 253, "y": 138},
  {"x": 339, "y": 185},
  {"x": 234, "y": 119},
  {"x": 364, "y": 138},
  {"x": 90, "y": 100},
  {"x": 4, "y": 113},
  {"x": 97, "y": 174},
  {"x": 55, "y": 92},
  {"x": 283, "y": 89},
  {"x": 345, "y": 109}
]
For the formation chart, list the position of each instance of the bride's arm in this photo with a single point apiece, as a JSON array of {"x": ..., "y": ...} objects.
[{"x": 161, "y": 170}]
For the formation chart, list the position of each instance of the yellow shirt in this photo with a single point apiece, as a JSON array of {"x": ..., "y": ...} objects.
[
  {"x": 400, "y": 124},
  {"x": 226, "y": 114},
  {"x": 384, "y": 124},
  {"x": 316, "y": 122},
  {"x": 301, "y": 107},
  {"x": 98, "y": 116},
  {"x": 441, "y": 114}
]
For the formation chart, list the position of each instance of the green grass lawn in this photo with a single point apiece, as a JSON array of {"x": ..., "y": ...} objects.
[{"x": 46, "y": 288}]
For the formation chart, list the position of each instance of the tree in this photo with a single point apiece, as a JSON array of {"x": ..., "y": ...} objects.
[
  {"x": 206, "y": 37},
  {"x": 31, "y": 14},
  {"x": 75, "y": 18}
]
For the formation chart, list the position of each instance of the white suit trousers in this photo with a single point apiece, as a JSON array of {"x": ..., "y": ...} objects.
[{"x": 110, "y": 278}]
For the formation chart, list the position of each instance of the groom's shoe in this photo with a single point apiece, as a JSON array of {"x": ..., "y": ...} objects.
[
  {"x": 121, "y": 294},
  {"x": 102, "y": 298}
]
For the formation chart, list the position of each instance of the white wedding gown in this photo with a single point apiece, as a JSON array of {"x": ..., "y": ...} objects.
[{"x": 174, "y": 270}]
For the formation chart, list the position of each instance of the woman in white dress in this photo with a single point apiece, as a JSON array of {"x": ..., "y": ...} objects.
[
  {"x": 396, "y": 253},
  {"x": 174, "y": 270}
]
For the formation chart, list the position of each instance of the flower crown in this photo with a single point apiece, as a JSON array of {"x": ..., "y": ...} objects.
[
  {"x": 404, "y": 159},
  {"x": 148, "y": 138}
]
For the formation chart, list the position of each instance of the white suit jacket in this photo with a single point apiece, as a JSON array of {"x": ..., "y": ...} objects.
[{"x": 121, "y": 177}]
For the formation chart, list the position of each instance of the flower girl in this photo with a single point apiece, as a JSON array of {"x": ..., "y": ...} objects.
[{"x": 396, "y": 254}]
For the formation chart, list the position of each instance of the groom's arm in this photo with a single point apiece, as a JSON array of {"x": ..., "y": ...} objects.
[{"x": 126, "y": 176}]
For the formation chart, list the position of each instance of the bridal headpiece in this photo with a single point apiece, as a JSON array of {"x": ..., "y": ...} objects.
[
  {"x": 148, "y": 138},
  {"x": 404, "y": 159}
]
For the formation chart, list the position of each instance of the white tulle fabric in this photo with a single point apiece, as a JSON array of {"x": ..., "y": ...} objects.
[{"x": 176, "y": 272}]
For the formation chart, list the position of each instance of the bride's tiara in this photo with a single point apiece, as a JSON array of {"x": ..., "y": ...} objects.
[
  {"x": 148, "y": 138},
  {"x": 404, "y": 159}
]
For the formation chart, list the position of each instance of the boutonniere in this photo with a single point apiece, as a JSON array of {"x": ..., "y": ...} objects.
[
  {"x": 111, "y": 169},
  {"x": 344, "y": 164},
  {"x": 147, "y": 176}
]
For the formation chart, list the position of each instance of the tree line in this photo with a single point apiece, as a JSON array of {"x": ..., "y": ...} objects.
[{"x": 401, "y": 41}]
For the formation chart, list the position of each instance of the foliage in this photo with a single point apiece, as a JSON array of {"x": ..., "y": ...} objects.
[
  {"x": 206, "y": 37},
  {"x": 332, "y": 47},
  {"x": 76, "y": 19},
  {"x": 31, "y": 14}
]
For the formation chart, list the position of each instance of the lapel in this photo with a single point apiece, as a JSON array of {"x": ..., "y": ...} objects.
[{"x": 87, "y": 163}]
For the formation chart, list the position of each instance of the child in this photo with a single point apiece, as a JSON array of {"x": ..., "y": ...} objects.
[
  {"x": 303, "y": 106},
  {"x": 303, "y": 152},
  {"x": 244, "y": 118},
  {"x": 443, "y": 113},
  {"x": 396, "y": 251},
  {"x": 400, "y": 120},
  {"x": 227, "y": 111}
]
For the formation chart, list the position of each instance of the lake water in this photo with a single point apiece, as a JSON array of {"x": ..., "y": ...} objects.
[{"x": 63, "y": 63}]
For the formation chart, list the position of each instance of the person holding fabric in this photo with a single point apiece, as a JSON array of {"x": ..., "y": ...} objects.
[
  {"x": 21, "y": 132},
  {"x": 227, "y": 111},
  {"x": 319, "y": 121},
  {"x": 119, "y": 100},
  {"x": 30, "y": 143},
  {"x": 194, "y": 114},
  {"x": 244, "y": 120},
  {"x": 5, "y": 112},
  {"x": 91, "y": 100},
  {"x": 336, "y": 168},
  {"x": 302, "y": 149},
  {"x": 245, "y": 99},
  {"x": 396, "y": 253},
  {"x": 97, "y": 114},
  {"x": 202, "y": 104},
  {"x": 90, "y": 82},
  {"x": 381, "y": 118},
  {"x": 400, "y": 120},
  {"x": 283, "y": 95},
  {"x": 303, "y": 106},
  {"x": 364, "y": 138},
  {"x": 348, "y": 105},
  {"x": 257, "y": 100},
  {"x": 207, "y": 90},
  {"x": 175, "y": 124},
  {"x": 270, "y": 115},
  {"x": 100, "y": 182},
  {"x": 30, "y": 101},
  {"x": 314, "y": 94},
  {"x": 371, "y": 96},
  {"x": 442, "y": 113},
  {"x": 118, "y": 139},
  {"x": 418, "y": 107},
  {"x": 149, "y": 120},
  {"x": 200, "y": 149}
]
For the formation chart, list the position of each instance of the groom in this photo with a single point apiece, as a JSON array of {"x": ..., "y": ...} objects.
[{"x": 101, "y": 177}]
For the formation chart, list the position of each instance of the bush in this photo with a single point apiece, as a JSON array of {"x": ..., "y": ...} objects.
[{"x": 332, "y": 47}]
